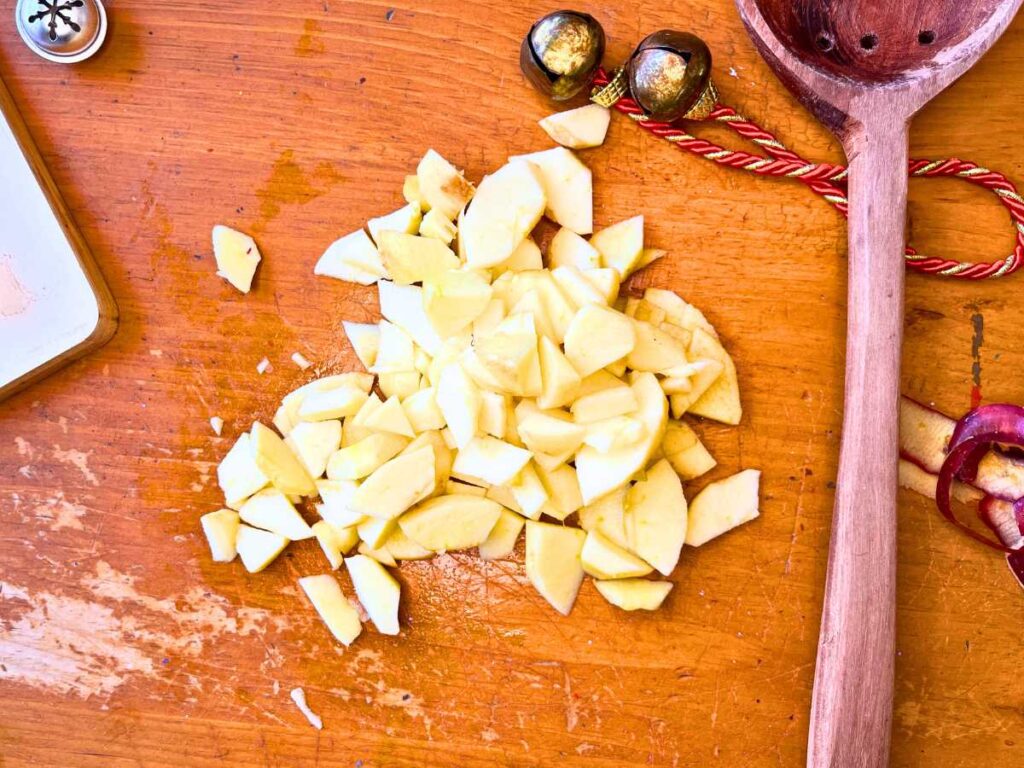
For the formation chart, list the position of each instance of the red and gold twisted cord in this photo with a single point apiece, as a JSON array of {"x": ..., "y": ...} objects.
[{"x": 829, "y": 181}]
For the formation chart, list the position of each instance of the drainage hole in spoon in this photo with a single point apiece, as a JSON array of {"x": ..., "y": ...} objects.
[
  {"x": 926, "y": 37},
  {"x": 824, "y": 42},
  {"x": 869, "y": 42}
]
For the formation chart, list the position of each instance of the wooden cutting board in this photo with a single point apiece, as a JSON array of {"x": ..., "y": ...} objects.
[
  {"x": 54, "y": 305},
  {"x": 122, "y": 645}
]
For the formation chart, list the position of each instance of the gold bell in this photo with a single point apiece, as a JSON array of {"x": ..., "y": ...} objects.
[
  {"x": 561, "y": 53},
  {"x": 670, "y": 76}
]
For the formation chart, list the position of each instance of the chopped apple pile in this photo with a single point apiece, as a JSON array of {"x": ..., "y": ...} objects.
[{"x": 505, "y": 391}]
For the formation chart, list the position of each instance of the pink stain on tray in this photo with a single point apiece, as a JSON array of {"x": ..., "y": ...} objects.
[{"x": 14, "y": 298}]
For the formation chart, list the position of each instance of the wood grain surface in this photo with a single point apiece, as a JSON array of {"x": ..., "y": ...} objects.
[{"x": 121, "y": 644}]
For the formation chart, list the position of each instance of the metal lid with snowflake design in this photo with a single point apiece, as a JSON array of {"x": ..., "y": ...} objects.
[{"x": 65, "y": 31}]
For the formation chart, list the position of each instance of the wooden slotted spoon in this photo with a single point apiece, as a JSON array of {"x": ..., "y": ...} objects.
[{"x": 864, "y": 68}]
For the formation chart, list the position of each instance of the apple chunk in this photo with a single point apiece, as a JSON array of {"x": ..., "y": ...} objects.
[
  {"x": 278, "y": 463},
  {"x": 501, "y": 541},
  {"x": 706, "y": 373},
  {"x": 529, "y": 492},
  {"x": 721, "y": 401},
  {"x": 678, "y": 311},
  {"x": 314, "y": 442},
  {"x": 329, "y": 601},
  {"x": 568, "y": 249},
  {"x": 413, "y": 259},
  {"x": 221, "y": 530},
  {"x": 509, "y": 356},
  {"x": 442, "y": 186},
  {"x": 685, "y": 452},
  {"x": 361, "y": 458},
  {"x": 389, "y": 417},
  {"x": 553, "y": 563},
  {"x": 604, "y": 404},
  {"x": 460, "y": 401},
  {"x": 525, "y": 257},
  {"x": 377, "y": 590},
  {"x": 374, "y": 531},
  {"x": 336, "y": 497},
  {"x": 446, "y": 523},
  {"x": 258, "y": 548},
  {"x": 405, "y": 220},
  {"x": 454, "y": 299},
  {"x": 580, "y": 128},
  {"x": 236, "y": 255},
  {"x": 365, "y": 340},
  {"x": 396, "y": 485},
  {"x": 403, "y": 306},
  {"x": 606, "y": 516},
  {"x": 352, "y": 258},
  {"x": 655, "y": 350},
  {"x": 380, "y": 553},
  {"x": 577, "y": 288},
  {"x": 327, "y": 401},
  {"x": 621, "y": 245},
  {"x": 563, "y": 489},
  {"x": 401, "y": 547},
  {"x": 722, "y": 506},
  {"x": 634, "y": 594},
  {"x": 442, "y": 456},
  {"x": 334, "y": 542},
  {"x": 271, "y": 510},
  {"x": 568, "y": 186},
  {"x": 560, "y": 382},
  {"x": 490, "y": 459},
  {"x": 599, "y": 473},
  {"x": 656, "y": 515},
  {"x": 602, "y": 559},
  {"x": 617, "y": 432},
  {"x": 396, "y": 352},
  {"x": 422, "y": 412},
  {"x": 506, "y": 208},
  {"x": 546, "y": 433},
  {"x": 238, "y": 474},
  {"x": 597, "y": 337},
  {"x": 436, "y": 226}
]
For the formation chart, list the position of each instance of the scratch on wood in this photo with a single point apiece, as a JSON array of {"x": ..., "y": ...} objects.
[
  {"x": 978, "y": 323},
  {"x": 77, "y": 459},
  {"x": 572, "y": 715}
]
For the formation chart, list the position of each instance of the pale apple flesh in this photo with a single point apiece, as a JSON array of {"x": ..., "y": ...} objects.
[
  {"x": 508, "y": 386},
  {"x": 237, "y": 256},
  {"x": 337, "y": 613},
  {"x": 580, "y": 128},
  {"x": 723, "y": 505},
  {"x": 377, "y": 590},
  {"x": 635, "y": 594},
  {"x": 553, "y": 563},
  {"x": 221, "y": 530}
]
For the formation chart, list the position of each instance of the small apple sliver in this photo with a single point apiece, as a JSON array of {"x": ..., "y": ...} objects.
[
  {"x": 553, "y": 563},
  {"x": 634, "y": 594},
  {"x": 236, "y": 255},
  {"x": 723, "y": 505},
  {"x": 341, "y": 618},
  {"x": 453, "y": 522},
  {"x": 377, "y": 590}
]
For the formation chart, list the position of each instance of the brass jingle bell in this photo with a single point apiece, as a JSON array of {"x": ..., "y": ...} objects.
[
  {"x": 561, "y": 53},
  {"x": 670, "y": 76}
]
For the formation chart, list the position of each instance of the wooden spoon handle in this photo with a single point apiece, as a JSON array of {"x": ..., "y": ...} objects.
[{"x": 851, "y": 711}]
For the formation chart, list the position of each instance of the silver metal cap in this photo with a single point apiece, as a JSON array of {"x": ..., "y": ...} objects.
[{"x": 65, "y": 31}]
